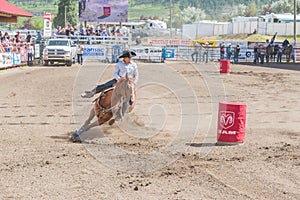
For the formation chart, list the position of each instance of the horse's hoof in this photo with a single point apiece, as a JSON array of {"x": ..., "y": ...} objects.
[
  {"x": 111, "y": 122},
  {"x": 75, "y": 136},
  {"x": 76, "y": 139}
]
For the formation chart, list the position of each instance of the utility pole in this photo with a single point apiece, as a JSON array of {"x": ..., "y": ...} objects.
[
  {"x": 65, "y": 15},
  {"x": 295, "y": 30},
  {"x": 171, "y": 5}
]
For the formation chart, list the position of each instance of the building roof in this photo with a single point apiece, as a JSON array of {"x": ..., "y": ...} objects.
[
  {"x": 285, "y": 17},
  {"x": 8, "y": 10}
]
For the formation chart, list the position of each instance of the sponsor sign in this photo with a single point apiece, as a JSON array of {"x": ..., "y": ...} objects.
[
  {"x": 94, "y": 52},
  {"x": 174, "y": 42},
  {"x": 170, "y": 53},
  {"x": 47, "y": 24}
]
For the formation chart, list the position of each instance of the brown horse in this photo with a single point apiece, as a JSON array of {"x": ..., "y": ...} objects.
[
  {"x": 112, "y": 102},
  {"x": 271, "y": 53},
  {"x": 288, "y": 51}
]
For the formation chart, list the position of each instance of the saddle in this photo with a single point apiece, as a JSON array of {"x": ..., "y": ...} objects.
[
  {"x": 102, "y": 93},
  {"x": 98, "y": 107}
]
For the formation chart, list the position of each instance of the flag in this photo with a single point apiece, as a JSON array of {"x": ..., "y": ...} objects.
[{"x": 273, "y": 38}]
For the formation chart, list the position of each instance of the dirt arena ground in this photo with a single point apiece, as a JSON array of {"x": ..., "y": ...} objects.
[{"x": 165, "y": 149}]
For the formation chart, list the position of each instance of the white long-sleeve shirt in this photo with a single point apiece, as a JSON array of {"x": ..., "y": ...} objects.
[{"x": 131, "y": 69}]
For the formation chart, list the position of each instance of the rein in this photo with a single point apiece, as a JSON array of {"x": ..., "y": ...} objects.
[{"x": 117, "y": 93}]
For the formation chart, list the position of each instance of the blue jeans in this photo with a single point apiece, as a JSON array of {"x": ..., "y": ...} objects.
[
  {"x": 105, "y": 86},
  {"x": 79, "y": 59},
  {"x": 29, "y": 59}
]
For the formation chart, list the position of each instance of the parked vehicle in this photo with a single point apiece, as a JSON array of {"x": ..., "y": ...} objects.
[{"x": 59, "y": 50}]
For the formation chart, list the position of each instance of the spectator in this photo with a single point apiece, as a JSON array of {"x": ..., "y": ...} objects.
[
  {"x": 5, "y": 39},
  {"x": 104, "y": 33},
  {"x": 80, "y": 49},
  {"x": 28, "y": 37},
  {"x": 229, "y": 51},
  {"x": 29, "y": 51},
  {"x": 267, "y": 44},
  {"x": 164, "y": 54},
  {"x": 236, "y": 54},
  {"x": 255, "y": 51},
  {"x": 18, "y": 37},
  {"x": 222, "y": 51},
  {"x": 262, "y": 53},
  {"x": 82, "y": 30},
  {"x": 15, "y": 48},
  {"x": 67, "y": 30},
  {"x": 205, "y": 53},
  {"x": 196, "y": 52},
  {"x": 279, "y": 53},
  {"x": 39, "y": 36},
  {"x": 137, "y": 40},
  {"x": 125, "y": 46}
]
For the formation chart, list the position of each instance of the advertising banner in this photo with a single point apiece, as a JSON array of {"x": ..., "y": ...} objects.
[
  {"x": 174, "y": 42},
  {"x": 94, "y": 52},
  {"x": 47, "y": 24},
  {"x": 103, "y": 10}
]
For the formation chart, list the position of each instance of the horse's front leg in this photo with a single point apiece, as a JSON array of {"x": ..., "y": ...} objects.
[
  {"x": 86, "y": 126},
  {"x": 75, "y": 137},
  {"x": 91, "y": 116},
  {"x": 91, "y": 125}
]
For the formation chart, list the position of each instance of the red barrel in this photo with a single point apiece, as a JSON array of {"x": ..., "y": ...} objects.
[
  {"x": 231, "y": 122},
  {"x": 225, "y": 66}
]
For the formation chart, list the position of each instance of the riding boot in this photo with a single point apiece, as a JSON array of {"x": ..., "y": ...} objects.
[{"x": 88, "y": 94}]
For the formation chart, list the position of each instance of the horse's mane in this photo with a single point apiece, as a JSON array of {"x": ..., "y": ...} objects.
[{"x": 123, "y": 90}]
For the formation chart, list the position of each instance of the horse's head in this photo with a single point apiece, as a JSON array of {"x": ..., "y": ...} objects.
[{"x": 124, "y": 88}]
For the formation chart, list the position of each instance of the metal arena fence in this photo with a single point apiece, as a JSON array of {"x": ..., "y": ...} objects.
[{"x": 109, "y": 48}]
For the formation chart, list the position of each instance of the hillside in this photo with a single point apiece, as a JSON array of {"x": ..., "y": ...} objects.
[{"x": 214, "y": 9}]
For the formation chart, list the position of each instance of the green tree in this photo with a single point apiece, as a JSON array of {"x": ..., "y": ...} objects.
[
  {"x": 192, "y": 14},
  {"x": 251, "y": 10},
  {"x": 38, "y": 23},
  {"x": 266, "y": 9},
  {"x": 67, "y": 7},
  {"x": 283, "y": 6}
]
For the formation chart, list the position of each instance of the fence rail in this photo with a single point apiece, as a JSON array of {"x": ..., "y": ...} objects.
[{"x": 103, "y": 40}]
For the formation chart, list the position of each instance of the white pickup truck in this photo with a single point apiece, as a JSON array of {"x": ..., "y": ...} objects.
[{"x": 59, "y": 50}]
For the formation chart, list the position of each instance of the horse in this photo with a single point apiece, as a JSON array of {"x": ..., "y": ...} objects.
[
  {"x": 288, "y": 51},
  {"x": 113, "y": 102},
  {"x": 271, "y": 52}
]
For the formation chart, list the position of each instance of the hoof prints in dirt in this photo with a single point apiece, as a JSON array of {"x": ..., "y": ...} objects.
[
  {"x": 268, "y": 77},
  {"x": 9, "y": 114}
]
